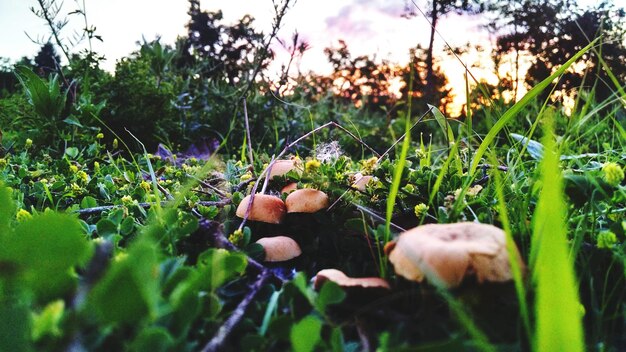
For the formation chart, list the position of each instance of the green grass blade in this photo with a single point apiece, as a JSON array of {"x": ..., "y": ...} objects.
[
  {"x": 447, "y": 130},
  {"x": 558, "y": 326},
  {"x": 516, "y": 270},
  {"x": 512, "y": 112},
  {"x": 397, "y": 172}
]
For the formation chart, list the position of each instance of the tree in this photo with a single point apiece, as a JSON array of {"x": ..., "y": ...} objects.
[
  {"x": 429, "y": 84},
  {"x": 47, "y": 60},
  {"x": 227, "y": 52},
  {"x": 360, "y": 80},
  {"x": 437, "y": 9},
  {"x": 551, "y": 32}
]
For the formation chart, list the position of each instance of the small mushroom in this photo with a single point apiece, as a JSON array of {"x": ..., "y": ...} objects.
[
  {"x": 345, "y": 281},
  {"x": 279, "y": 248},
  {"x": 282, "y": 167},
  {"x": 290, "y": 187},
  {"x": 265, "y": 208},
  {"x": 446, "y": 253},
  {"x": 306, "y": 200},
  {"x": 360, "y": 182}
]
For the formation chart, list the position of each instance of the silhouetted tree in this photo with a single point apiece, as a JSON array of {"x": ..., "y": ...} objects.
[
  {"x": 436, "y": 10},
  {"x": 551, "y": 32},
  {"x": 47, "y": 60},
  {"x": 226, "y": 52},
  {"x": 426, "y": 90},
  {"x": 360, "y": 80}
]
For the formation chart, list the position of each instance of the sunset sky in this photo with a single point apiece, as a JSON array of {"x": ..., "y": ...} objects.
[{"x": 370, "y": 27}]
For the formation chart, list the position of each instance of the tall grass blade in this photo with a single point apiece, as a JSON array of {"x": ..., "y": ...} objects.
[
  {"x": 558, "y": 326},
  {"x": 447, "y": 131},
  {"x": 512, "y": 112},
  {"x": 397, "y": 172},
  {"x": 516, "y": 270}
]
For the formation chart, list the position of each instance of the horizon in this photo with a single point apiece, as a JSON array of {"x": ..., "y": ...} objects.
[{"x": 374, "y": 28}]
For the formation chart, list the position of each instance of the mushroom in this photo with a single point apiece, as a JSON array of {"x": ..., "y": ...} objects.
[
  {"x": 290, "y": 187},
  {"x": 306, "y": 200},
  {"x": 265, "y": 208},
  {"x": 279, "y": 248},
  {"x": 360, "y": 182},
  {"x": 345, "y": 281},
  {"x": 446, "y": 253},
  {"x": 282, "y": 167}
]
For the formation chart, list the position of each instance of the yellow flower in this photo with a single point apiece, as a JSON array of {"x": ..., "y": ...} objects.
[
  {"x": 29, "y": 143},
  {"x": 115, "y": 143},
  {"x": 606, "y": 239},
  {"x": 96, "y": 166},
  {"x": 127, "y": 200},
  {"x": 368, "y": 165},
  {"x": 312, "y": 165},
  {"x": 613, "y": 174},
  {"x": 100, "y": 135},
  {"x": 83, "y": 176},
  {"x": 23, "y": 215},
  {"x": 76, "y": 188},
  {"x": 73, "y": 169},
  {"x": 145, "y": 185},
  {"x": 409, "y": 188},
  {"x": 473, "y": 191},
  {"x": 420, "y": 210},
  {"x": 236, "y": 237},
  {"x": 246, "y": 176}
]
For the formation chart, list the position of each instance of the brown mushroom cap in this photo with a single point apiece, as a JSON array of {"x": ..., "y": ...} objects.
[
  {"x": 281, "y": 167},
  {"x": 360, "y": 181},
  {"x": 446, "y": 253},
  {"x": 306, "y": 200},
  {"x": 290, "y": 187},
  {"x": 345, "y": 281},
  {"x": 265, "y": 208},
  {"x": 279, "y": 248}
]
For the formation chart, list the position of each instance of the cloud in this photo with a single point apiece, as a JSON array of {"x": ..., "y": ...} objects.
[{"x": 357, "y": 19}]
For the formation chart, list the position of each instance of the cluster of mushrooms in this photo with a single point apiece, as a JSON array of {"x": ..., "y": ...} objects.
[{"x": 443, "y": 254}]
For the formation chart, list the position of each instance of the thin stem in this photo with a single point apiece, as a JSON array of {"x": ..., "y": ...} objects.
[
  {"x": 404, "y": 135},
  {"x": 53, "y": 28},
  {"x": 245, "y": 115},
  {"x": 103, "y": 208},
  {"x": 217, "y": 342}
]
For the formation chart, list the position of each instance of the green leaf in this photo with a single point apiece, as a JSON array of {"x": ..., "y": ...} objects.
[
  {"x": 106, "y": 228},
  {"x": 88, "y": 202},
  {"x": 48, "y": 321},
  {"x": 7, "y": 209},
  {"x": 43, "y": 249},
  {"x": 73, "y": 121},
  {"x": 128, "y": 292},
  {"x": 15, "y": 326},
  {"x": 45, "y": 97},
  {"x": 330, "y": 293},
  {"x": 72, "y": 152},
  {"x": 127, "y": 226},
  {"x": 443, "y": 124},
  {"x": 299, "y": 281},
  {"x": 305, "y": 334},
  {"x": 153, "y": 339},
  {"x": 217, "y": 266},
  {"x": 558, "y": 314},
  {"x": 512, "y": 112}
]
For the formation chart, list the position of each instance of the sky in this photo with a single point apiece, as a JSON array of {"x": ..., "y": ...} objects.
[{"x": 369, "y": 27}]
